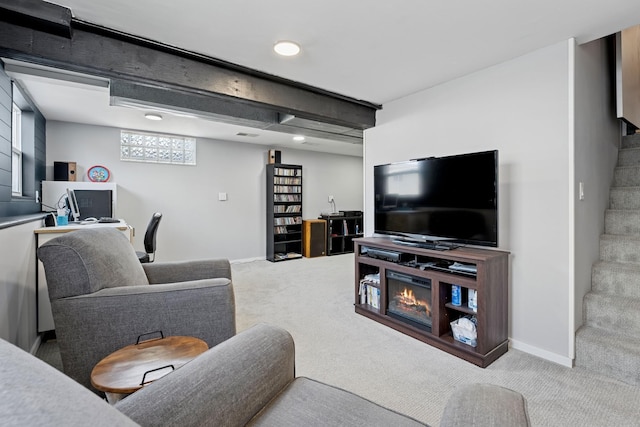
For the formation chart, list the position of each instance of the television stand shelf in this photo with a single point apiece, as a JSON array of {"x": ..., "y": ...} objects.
[{"x": 384, "y": 268}]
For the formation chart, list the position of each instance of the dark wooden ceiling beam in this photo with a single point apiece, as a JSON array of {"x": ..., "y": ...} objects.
[
  {"x": 106, "y": 53},
  {"x": 48, "y": 17}
]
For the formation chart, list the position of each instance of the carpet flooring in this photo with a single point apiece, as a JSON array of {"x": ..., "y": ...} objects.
[{"x": 313, "y": 299}]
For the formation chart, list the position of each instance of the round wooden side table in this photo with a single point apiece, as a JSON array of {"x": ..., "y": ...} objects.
[{"x": 129, "y": 369}]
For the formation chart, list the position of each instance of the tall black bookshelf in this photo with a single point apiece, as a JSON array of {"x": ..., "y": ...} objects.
[{"x": 284, "y": 212}]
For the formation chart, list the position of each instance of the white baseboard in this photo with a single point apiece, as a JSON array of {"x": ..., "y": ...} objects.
[
  {"x": 543, "y": 354},
  {"x": 36, "y": 345},
  {"x": 243, "y": 260}
]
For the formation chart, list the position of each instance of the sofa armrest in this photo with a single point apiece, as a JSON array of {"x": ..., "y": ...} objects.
[
  {"x": 114, "y": 317},
  {"x": 485, "y": 405},
  {"x": 180, "y": 271},
  {"x": 36, "y": 394},
  {"x": 227, "y": 385}
]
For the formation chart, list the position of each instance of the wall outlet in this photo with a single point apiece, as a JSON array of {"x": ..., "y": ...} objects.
[{"x": 330, "y": 199}]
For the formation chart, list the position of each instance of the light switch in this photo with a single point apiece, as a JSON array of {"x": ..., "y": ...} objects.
[
  {"x": 581, "y": 191},
  {"x": 222, "y": 197}
]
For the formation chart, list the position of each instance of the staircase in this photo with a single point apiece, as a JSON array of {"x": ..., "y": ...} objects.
[{"x": 609, "y": 340}]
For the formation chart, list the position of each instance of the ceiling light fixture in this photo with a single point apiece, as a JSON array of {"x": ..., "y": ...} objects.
[
  {"x": 286, "y": 48},
  {"x": 153, "y": 116},
  {"x": 298, "y": 138}
]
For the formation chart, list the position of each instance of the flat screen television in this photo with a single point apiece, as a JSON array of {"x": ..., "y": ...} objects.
[{"x": 440, "y": 201}]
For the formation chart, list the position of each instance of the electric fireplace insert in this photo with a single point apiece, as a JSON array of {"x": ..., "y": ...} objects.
[{"x": 409, "y": 299}]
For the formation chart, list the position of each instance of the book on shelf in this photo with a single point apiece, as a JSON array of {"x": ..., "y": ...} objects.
[
  {"x": 288, "y": 171},
  {"x": 369, "y": 294}
]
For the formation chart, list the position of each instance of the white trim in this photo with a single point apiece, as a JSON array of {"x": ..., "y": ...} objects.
[
  {"x": 544, "y": 354},
  {"x": 573, "y": 182},
  {"x": 36, "y": 345},
  {"x": 245, "y": 260}
]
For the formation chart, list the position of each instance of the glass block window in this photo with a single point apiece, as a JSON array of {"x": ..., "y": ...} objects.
[{"x": 157, "y": 148}]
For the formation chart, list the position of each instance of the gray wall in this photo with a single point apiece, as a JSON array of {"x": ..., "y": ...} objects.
[
  {"x": 525, "y": 109},
  {"x": 195, "y": 224},
  {"x": 597, "y": 138},
  {"x": 18, "y": 285},
  {"x": 17, "y": 241},
  {"x": 33, "y": 152}
]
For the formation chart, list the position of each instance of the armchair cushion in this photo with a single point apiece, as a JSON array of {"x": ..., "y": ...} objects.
[{"x": 79, "y": 266}]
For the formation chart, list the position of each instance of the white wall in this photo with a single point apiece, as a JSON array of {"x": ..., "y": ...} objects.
[
  {"x": 597, "y": 138},
  {"x": 18, "y": 285},
  {"x": 521, "y": 108},
  {"x": 195, "y": 224}
]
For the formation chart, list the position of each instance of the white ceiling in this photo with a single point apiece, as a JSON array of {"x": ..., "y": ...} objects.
[{"x": 377, "y": 51}]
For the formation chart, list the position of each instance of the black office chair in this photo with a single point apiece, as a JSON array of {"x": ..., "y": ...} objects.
[{"x": 149, "y": 254}]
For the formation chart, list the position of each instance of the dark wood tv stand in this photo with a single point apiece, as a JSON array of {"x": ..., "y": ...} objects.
[{"x": 490, "y": 281}]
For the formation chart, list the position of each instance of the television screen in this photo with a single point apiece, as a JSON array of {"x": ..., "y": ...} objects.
[{"x": 452, "y": 199}]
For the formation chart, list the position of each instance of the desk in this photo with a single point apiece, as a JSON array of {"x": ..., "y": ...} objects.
[
  {"x": 44, "y": 234},
  {"x": 129, "y": 369}
]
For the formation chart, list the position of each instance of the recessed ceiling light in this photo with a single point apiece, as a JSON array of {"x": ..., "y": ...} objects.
[
  {"x": 153, "y": 116},
  {"x": 298, "y": 138},
  {"x": 286, "y": 48}
]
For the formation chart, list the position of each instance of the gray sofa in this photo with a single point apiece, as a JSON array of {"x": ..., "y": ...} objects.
[
  {"x": 246, "y": 380},
  {"x": 103, "y": 298}
]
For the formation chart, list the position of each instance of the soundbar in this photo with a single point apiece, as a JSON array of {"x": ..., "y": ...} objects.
[{"x": 385, "y": 254}]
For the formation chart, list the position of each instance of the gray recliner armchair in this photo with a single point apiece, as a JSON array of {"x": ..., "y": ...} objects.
[{"x": 103, "y": 298}]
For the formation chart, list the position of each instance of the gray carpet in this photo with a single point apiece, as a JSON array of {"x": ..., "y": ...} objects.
[
  {"x": 608, "y": 342},
  {"x": 313, "y": 299}
]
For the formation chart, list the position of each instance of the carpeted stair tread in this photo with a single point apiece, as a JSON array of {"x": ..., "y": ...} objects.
[
  {"x": 624, "y": 197},
  {"x": 622, "y": 221},
  {"x": 619, "y": 248},
  {"x": 631, "y": 141},
  {"x": 609, "y": 353},
  {"x": 622, "y": 279},
  {"x": 626, "y": 176},
  {"x": 613, "y": 312},
  {"x": 629, "y": 156},
  {"x": 609, "y": 340}
]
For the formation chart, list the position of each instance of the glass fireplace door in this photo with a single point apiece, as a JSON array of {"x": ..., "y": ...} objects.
[{"x": 409, "y": 299}]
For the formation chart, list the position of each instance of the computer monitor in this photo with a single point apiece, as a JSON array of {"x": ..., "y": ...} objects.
[
  {"x": 73, "y": 204},
  {"x": 94, "y": 203}
]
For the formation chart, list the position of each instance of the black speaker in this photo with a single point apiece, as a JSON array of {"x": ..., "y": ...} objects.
[
  {"x": 274, "y": 156},
  {"x": 314, "y": 238},
  {"x": 50, "y": 220},
  {"x": 64, "y": 171}
]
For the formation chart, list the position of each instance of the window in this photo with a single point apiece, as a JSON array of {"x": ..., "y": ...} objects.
[
  {"x": 16, "y": 151},
  {"x": 156, "y": 148}
]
